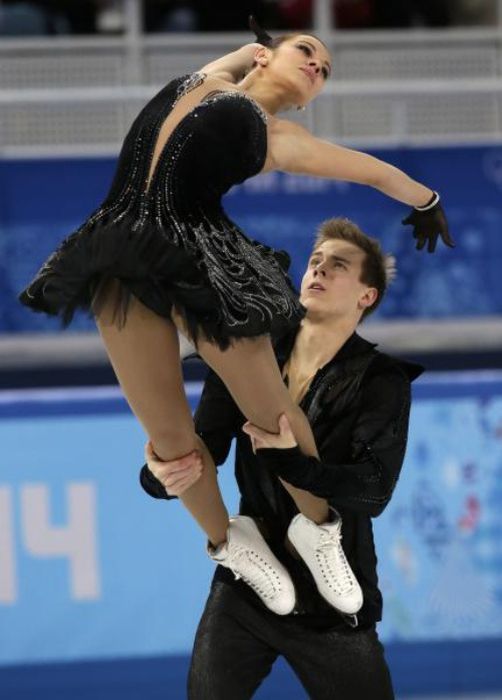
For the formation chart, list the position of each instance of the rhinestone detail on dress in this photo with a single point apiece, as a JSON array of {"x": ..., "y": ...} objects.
[{"x": 235, "y": 286}]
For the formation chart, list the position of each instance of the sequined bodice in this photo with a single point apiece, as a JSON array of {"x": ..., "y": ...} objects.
[
  {"x": 219, "y": 143},
  {"x": 163, "y": 232}
]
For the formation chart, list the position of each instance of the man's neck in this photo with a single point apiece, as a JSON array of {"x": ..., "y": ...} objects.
[{"x": 317, "y": 342}]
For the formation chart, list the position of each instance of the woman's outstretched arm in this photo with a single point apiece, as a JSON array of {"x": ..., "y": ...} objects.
[
  {"x": 233, "y": 66},
  {"x": 294, "y": 149}
]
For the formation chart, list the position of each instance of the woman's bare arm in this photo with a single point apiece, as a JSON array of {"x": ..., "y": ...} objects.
[
  {"x": 292, "y": 148},
  {"x": 233, "y": 66}
]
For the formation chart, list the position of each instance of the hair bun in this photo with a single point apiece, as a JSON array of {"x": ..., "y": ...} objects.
[{"x": 262, "y": 36}]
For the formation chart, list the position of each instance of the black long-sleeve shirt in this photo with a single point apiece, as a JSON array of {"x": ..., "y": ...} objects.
[{"x": 358, "y": 407}]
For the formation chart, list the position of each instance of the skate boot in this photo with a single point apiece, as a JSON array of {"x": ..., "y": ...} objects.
[
  {"x": 320, "y": 547},
  {"x": 250, "y": 558}
]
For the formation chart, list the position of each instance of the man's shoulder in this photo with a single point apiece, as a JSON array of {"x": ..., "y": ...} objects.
[{"x": 383, "y": 363}]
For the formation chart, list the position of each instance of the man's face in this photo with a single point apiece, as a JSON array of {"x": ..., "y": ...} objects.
[{"x": 331, "y": 286}]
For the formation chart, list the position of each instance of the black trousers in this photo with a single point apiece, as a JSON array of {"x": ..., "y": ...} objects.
[{"x": 237, "y": 643}]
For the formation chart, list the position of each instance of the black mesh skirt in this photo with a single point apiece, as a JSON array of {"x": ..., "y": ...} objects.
[{"x": 228, "y": 287}]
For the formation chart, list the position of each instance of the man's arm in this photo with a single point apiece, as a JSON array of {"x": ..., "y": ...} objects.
[{"x": 378, "y": 446}]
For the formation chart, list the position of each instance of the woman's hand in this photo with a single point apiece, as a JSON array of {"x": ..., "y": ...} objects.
[
  {"x": 429, "y": 223},
  {"x": 261, "y": 438},
  {"x": 178, "y": 475}
]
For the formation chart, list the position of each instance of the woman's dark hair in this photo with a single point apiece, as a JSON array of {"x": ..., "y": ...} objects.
[
  {"x": 275, "y": 43},
  {"x": 264, "y": 38}
]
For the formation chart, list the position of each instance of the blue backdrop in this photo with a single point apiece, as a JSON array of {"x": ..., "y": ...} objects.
[
  {"x": 92, "y": 569},
  {"x": 41, "y": 201}
]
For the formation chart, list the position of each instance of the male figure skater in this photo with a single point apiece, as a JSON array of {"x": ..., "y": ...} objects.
[{"x": 357, "y": 400}]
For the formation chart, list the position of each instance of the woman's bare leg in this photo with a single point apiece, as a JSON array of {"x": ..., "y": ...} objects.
[
  {"x": 145, "y": 356},
  {"x": 250, "y": 371}
]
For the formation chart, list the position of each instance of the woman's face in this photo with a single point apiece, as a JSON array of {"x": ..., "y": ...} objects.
[{"x": 304, "y": 62}]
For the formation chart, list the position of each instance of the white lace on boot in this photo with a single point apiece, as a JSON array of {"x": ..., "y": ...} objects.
[
  {"x": 250, "y": 558},
  {"x": 320, "y": 547}
]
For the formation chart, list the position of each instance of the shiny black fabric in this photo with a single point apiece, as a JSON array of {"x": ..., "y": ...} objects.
[
  {"x": 171, "y": 243},
  {"x": 237, "y": 643},
  {"x": 358, "y": 406}
]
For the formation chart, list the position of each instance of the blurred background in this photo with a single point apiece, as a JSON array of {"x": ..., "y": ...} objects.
[{"x": 101, "y": 588}]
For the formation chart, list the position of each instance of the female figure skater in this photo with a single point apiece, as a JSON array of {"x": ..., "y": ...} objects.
[{"x": 160, "y": 256}]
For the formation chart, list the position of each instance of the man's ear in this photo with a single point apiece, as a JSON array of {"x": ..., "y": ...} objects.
[{"x": 368, "y": 298}]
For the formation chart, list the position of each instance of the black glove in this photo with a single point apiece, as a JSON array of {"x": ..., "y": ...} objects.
[
  {"x": 262, "y": 36},
  {"x": 429, "y": 222}
]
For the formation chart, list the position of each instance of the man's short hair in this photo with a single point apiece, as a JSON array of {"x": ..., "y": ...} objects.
[{"x": 377, "y": 269}]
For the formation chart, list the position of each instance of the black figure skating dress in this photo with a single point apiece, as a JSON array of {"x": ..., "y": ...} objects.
[{"x": 171, "y": 244}]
